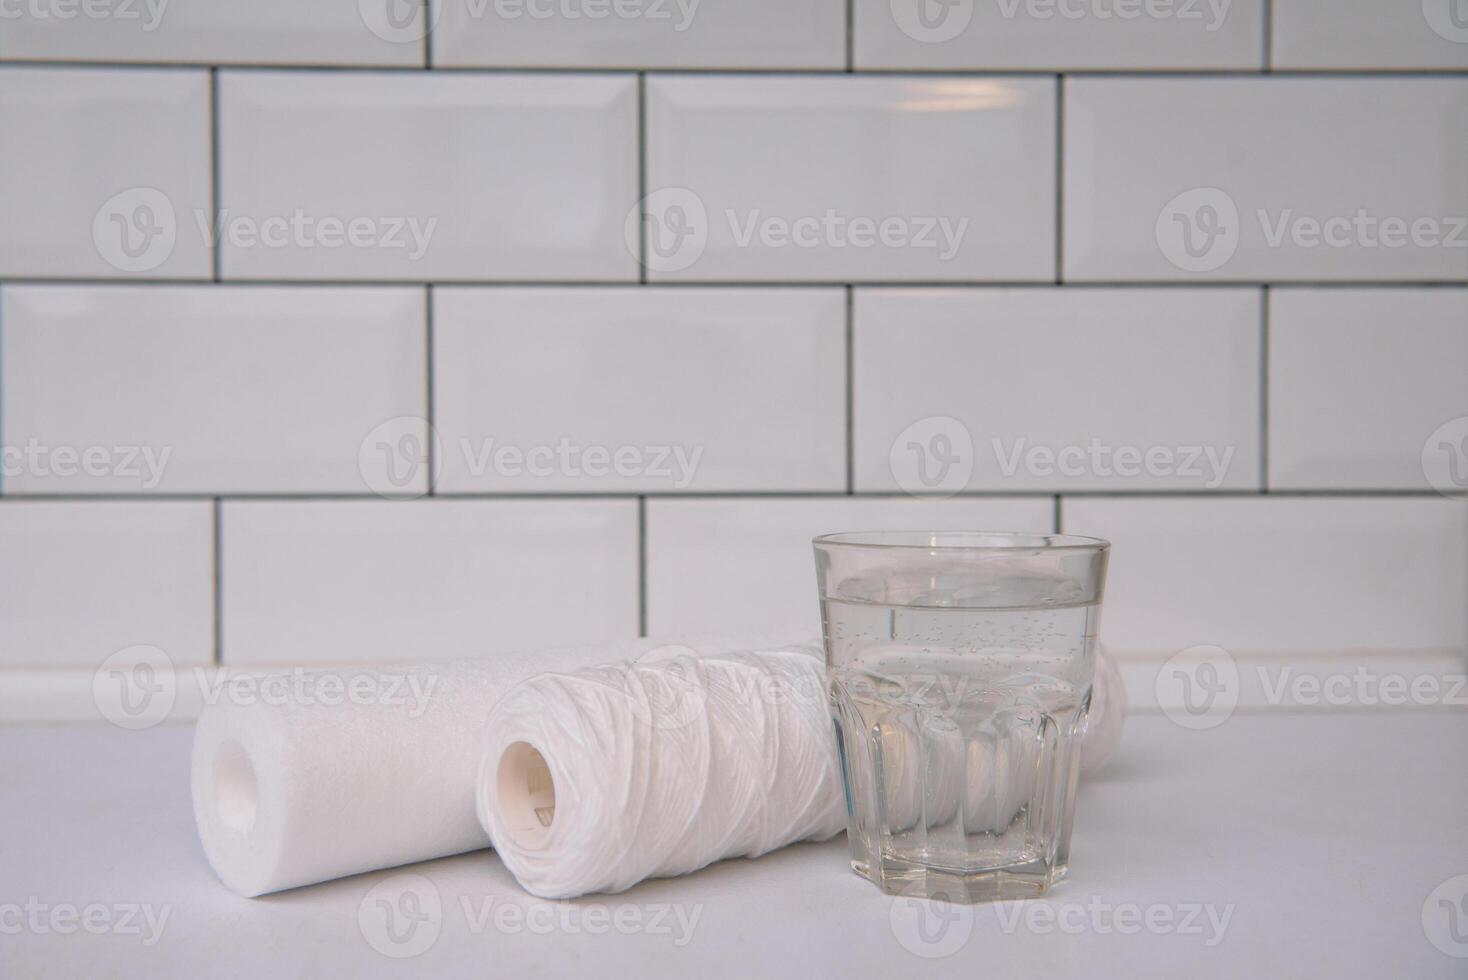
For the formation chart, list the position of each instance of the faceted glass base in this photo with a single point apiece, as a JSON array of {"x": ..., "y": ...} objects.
[{"x": 897, "y": 877}]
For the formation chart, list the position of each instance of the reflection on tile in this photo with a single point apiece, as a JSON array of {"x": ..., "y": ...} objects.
[{"x": 850, "y": 178}]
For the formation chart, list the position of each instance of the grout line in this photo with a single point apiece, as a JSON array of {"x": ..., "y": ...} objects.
[
  {"x": 641, "y": 566},
  {"x": 2, "y": 387},
  {"x": 427, "y": 34},
  {"x": 1264, "y": 299},
  {"x": 1059, "y": 179},
  {"x": 1056, "y": 517},
  {"x": 850, "y": 391},
  {"x": 217, "y": 251},
  {"x": 914, "y": 284},
  {"x": 218, "y": 537},
  {"x": 1455, "y": 74},
  {"x": 1266, "y": 14},
  {"x": 430, "y": 451},
  {"x": 145, "y": 499},
  {"x": 642, "y": 178},
  {"x": 851, "y": 35}
]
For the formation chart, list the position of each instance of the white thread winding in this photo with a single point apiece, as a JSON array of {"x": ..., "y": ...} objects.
[{"x": 595, "y": 780}]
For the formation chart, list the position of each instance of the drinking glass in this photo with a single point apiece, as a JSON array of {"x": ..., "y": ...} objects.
[{"x": 960, "y": 668}]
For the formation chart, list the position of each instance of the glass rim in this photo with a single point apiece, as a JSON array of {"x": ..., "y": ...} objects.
[{"x": 961, "y": 542}]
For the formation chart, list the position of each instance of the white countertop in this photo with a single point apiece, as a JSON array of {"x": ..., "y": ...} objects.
[{"x": 1320, "y": 837}]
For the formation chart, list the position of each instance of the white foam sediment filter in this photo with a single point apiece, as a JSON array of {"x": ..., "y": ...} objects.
[
  {"x": 594, "y": 780},
  {"x": 332, "y": 772}
]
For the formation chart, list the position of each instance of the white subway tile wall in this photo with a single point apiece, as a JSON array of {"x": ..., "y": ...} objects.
[
  {"x": 539, "y": 390},
  {"x": 1281, "y": 575},
  {"x": 1360, "y": 383},
  {"x": 379, "y": 331},
  {"x": 79, "y": 583},
  {"x": 208, "y": 32},
  {"x": 103, "y": 172},
  {"x": 207, "y": 389},
  {"x": 914, "y": 35},
  {"x": 373, "y": 581},
  {"x": 1370, "y": 34},
  {"x": 1059, "y": 388},
  {"x": 426, "y": 176},
  {"x": 1266, "y": 178},
  {"x": 833, "y": 178},
  {"x": 640, "y": 34}
]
